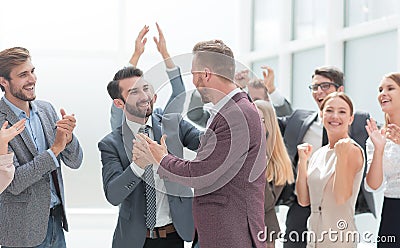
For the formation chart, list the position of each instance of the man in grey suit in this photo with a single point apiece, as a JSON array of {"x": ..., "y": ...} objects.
[
  {"x": 305, "y": 126},
  {"x": 123, "y": 180},
  {"x": 32, "y": 208}
]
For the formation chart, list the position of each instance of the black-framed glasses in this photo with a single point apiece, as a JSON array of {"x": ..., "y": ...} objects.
[{"x": 324, "y": 86}]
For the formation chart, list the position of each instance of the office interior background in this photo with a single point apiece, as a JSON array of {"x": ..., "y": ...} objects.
[{"x": 77, "y": 46}]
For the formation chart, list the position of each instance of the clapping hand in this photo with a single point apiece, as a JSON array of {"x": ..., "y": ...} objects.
[{"x": 7, "y": 134}]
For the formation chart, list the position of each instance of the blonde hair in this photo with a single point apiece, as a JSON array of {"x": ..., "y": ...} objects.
[{"x": 279, "y": 167}]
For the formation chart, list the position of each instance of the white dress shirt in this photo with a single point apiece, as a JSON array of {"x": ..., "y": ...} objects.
[{"x": 163, "y": 215}]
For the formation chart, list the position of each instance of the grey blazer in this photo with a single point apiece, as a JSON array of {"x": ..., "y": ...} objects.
[
  {"x": 122, "y": 187},
  {"x": 294, "y": 128},
  {"x": 25, "y": 204}
]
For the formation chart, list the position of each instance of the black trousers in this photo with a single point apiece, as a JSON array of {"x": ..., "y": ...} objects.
[
  {"x": 389, "y": 231},
  {"x": 173, "y": 240},
  {"x": 296, "y": 225}
]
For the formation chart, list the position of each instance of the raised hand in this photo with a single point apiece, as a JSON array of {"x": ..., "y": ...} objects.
[
  {"x": 68, "y": 122},
  {"x": 304, "y": 150},
  {"x": 377, "y": 136},
  {"x": 393, "y": 133},
  {"x": 140, "y": 43},
  {"x": 242, "y": 78},
  {"x": 7, "y": 134},
  {"x": 342, "y": 147},
  {"x": 269, "y": 78},
  {"x": 162, "y": 48}
]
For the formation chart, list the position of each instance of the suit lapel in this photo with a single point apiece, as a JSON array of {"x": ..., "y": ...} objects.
[
  {"x": 127, "y": 138},
  {"x": 304, "y": 127},
  {"x": 48, "y": 128},
  {"x": 156, "y": 121},
  {"x": 12, "y": 119}
]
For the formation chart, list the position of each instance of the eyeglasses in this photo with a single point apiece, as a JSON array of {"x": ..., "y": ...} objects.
[{"x": 324, "y": 86}]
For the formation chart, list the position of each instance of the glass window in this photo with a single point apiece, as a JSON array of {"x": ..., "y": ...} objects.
[
  {"x": 304, "y": 64},
  {"x": 359, "y": 11},
  {"x": 266, "y": 24},
  {"x": 310, "y": 18},
  {"x": 366, "y": 61},
  {"x": 271, "y": 62}
]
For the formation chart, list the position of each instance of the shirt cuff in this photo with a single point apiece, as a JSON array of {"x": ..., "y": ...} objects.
[
  {"x": 276, "y": 98},
  {"x": 173, "y": 72},
  {"x": 54, "y": 157},
  {"x": 369, "y": 189},
  {"x": 136, "y": 170},
  {"x": 163, "y": 158}
]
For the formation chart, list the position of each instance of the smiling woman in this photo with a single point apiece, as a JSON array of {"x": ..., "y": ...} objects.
[
  {"x": 331, "y": 179},
  {"x": 383, "y": 154}
]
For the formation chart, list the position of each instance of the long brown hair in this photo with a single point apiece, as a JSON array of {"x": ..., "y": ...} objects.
[{"x": 279, "y": 167}]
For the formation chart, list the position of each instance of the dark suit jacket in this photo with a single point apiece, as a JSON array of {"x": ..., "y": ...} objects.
[
  {"x": 25, "y": 204},
  {"x": 294, "y": 128},
  {"x": 122, "y": 187},
  {"x": 228, "y": 175}
]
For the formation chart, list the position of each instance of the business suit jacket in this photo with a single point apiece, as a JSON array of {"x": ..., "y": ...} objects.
[
  {"x": 122, "y": 187},
  {"x": 228, "y": 177},
  {"x": 25, "y": 204},
  {"x": 294, "y": 128}
]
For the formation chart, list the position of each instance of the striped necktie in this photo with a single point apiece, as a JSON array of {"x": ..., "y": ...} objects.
[{"x": 150, "y": 192}]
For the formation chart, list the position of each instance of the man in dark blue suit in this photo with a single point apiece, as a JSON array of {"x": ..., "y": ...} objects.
[
  {"x": 123, "y": 180},
  {"x": 306, "y": 126}
]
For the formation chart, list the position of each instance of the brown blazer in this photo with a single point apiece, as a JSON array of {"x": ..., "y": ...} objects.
[{"x": 227, "y": 176}]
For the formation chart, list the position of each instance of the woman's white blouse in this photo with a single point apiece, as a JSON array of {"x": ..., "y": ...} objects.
[{"x": 391, "y": 168}]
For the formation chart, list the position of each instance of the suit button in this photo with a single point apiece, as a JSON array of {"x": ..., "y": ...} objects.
[{"x": 319, "y": 208}]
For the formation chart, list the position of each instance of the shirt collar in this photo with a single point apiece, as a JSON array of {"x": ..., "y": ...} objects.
[
  {"x": 17, "y": 111},
  {"x": 134, "y": 126},
  {"x": 218, "y": 106}
]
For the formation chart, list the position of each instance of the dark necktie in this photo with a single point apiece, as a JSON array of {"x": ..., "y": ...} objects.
[
  {"x": 150, "y": 192},
  {"x": 324, "y": 137}
]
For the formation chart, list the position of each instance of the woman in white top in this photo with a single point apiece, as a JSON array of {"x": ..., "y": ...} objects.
[
  {"x": 331, "y": 180},
  {"x": 6, "y": 159},
  {"x": 383, "y": 158}
]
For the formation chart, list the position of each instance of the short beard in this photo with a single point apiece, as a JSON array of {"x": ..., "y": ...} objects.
[{"x": 18, "y": 94}]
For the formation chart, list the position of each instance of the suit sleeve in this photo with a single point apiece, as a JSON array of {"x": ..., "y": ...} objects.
[
  {"x": 118, "y": 182},
  {"x": 284, "y": 110},
  {"x": 222, "y": 153},
  {"x": 196, "y": 112},
  {"x": 176, "y": 101}
]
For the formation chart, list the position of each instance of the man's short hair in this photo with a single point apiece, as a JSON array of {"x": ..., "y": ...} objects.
[
  {"x": 11, "y": 58},
  {"x": 331, "y": 72},
  {"x": 127, "y": 72},
  {"x": 258, "y": 83},
  {"x": 217, "y": 56}
]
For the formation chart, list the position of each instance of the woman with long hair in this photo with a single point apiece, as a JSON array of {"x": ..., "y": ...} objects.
[
  {"x": 331, "y": 179},
  {"x": 279, "y": 170},
  {"x": 383, "y": 158}
]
